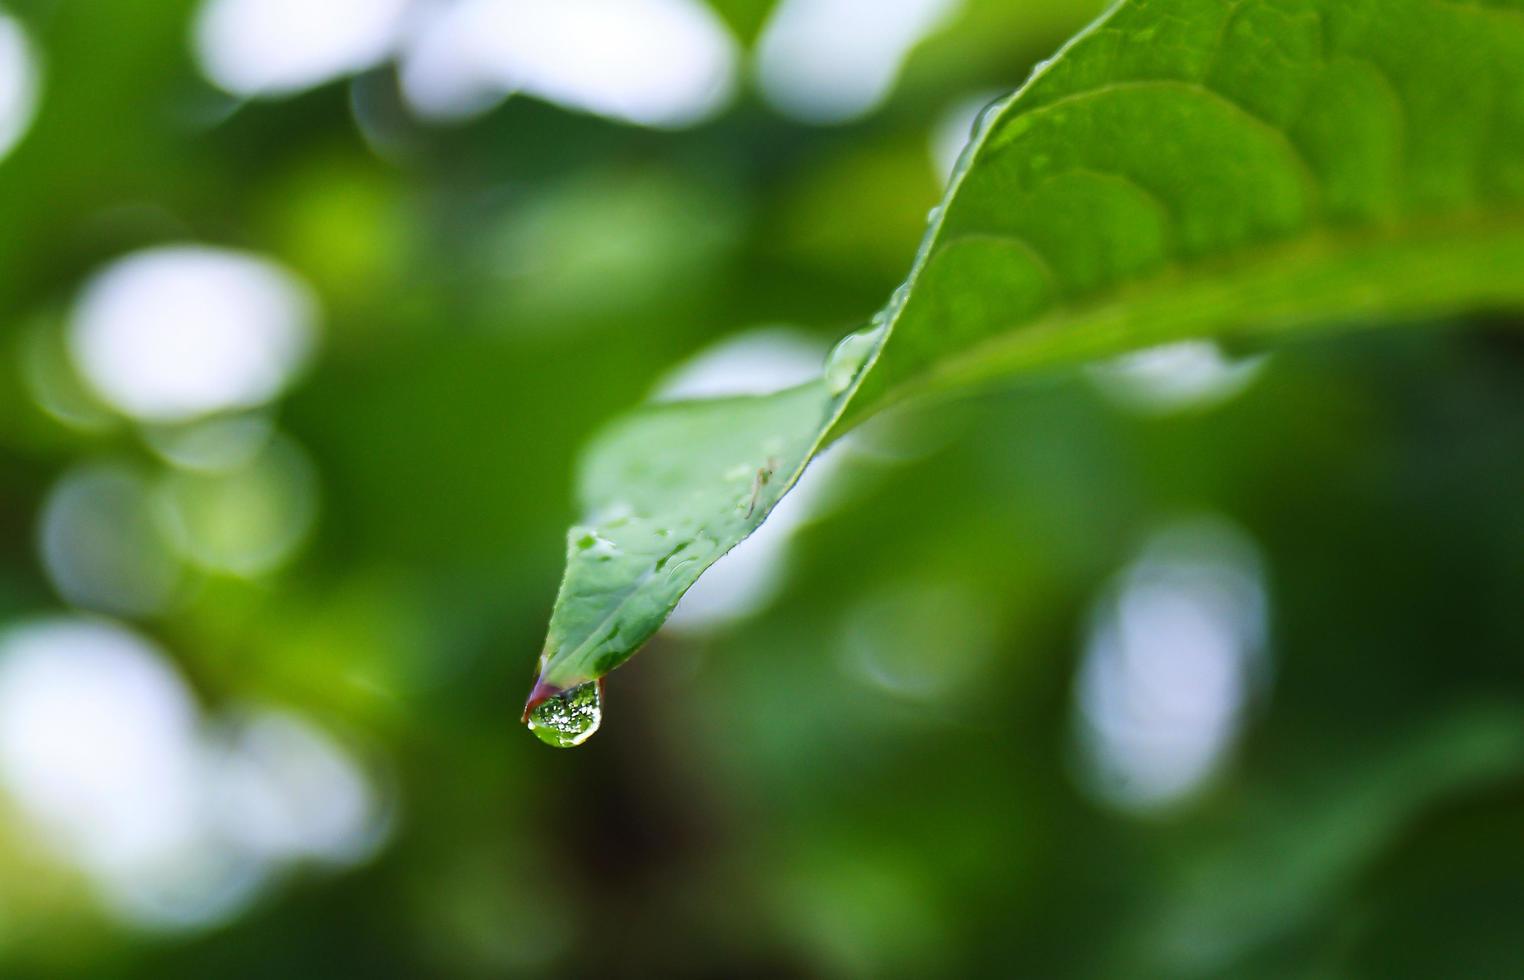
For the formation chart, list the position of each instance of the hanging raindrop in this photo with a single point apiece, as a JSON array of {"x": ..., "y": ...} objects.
[{"x": 569, "y": 718}]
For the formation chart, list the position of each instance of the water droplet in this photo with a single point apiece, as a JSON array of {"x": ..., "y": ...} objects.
[
  {"x": 934, "y": 214},
  {"x": 989, "y": 113},
  {"x": 569, "y": 718},
  {"x": 591, "y": 544},
  {"x": 848, "y": 358}
]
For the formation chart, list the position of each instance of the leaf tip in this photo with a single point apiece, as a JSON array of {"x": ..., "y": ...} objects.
[{"x": 538, "y": 695}]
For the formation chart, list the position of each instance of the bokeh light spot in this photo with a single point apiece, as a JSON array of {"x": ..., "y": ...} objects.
[
  {"x": 214, "y": 445},
  {"x": 755, "y": 362},
  {"x": 20, "y": 80},
  {"x": 919, "y": 641},
  {"x": 54, "y": 382},
  {"x": 663, "y": 63},
  {"x": 1175, "y": 377},
  {"x": 606, "y": 245},
  {"x": 832, "y": 61},
  {"x": 101, "y": 542},
  {"x": 176, "y": 824},
  {"x": 247, "y": 519},
  {"x": 98, "y": 744},
  {"x": 172, "y": 333},
  {"x": 278, "y": 47},
  {"x": 287, "y": 791},
  {"x": 1175, "y": 651}
]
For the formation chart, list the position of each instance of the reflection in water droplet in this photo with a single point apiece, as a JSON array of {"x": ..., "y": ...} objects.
[
  {"x": 570, "y": 718},
  {"x": 848, "y": 358}
]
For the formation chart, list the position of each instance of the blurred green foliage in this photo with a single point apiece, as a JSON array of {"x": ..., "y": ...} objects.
[{"x": 756, "y": 802}]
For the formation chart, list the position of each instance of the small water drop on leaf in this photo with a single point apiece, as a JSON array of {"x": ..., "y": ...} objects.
[
  {"x": 848, "y": 358},
  {"x": 569, "y": 718}
]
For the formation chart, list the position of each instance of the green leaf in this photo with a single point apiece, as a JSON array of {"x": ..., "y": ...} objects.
[{"x": 1182, "y": 169}]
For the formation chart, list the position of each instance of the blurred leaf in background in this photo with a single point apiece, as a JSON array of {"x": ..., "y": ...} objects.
[{"x": 279, "y": 542}]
